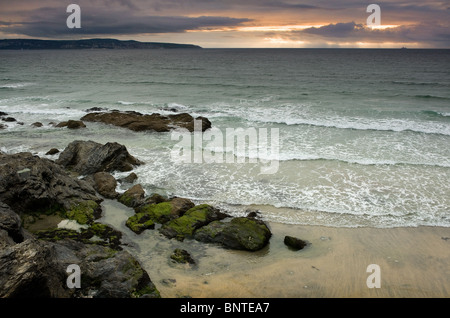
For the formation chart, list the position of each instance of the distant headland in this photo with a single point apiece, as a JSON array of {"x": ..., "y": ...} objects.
[{"x": 35, "y": 44}]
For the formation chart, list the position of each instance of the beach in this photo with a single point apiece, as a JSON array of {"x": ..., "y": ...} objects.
[
  {"x": 413, "y": 263},
  {"x": 358, "y": 168}
]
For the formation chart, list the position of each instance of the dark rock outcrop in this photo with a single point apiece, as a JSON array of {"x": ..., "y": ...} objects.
[
  {"x": 155, "y": 122},
  {"x": 182, "y": 256},
  {"x": 129, "y": 179},
  {"x": 10, "y": 224},
  {"x": 195, "y": 218},
  {"x": 30, "y": 270},
  {"x": 32, "y": 184},
  {"x": 105, "y": 184},
  {"x": 71, "y": 124},
  {"x": 37, "y": 124},
  {"x": 240, "y": 233},
  {"x": 38, "y": 269},
  {"x": 89, "y": 157},
  {"x": 294, "y": 243},
  {"x": 52, "y": 151},
  {"x": 133, "y": 197},
  {"x": 35, "y": 265}
]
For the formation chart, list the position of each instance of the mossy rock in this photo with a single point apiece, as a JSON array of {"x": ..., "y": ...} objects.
[
  {"x": 104, "y": 234},
  {"x": 150, "y": 214},
  {"x": 54, "y": 235},
  {"x": 240, "y": 233},
  {"x": 84, "y": 212},
  {"x": 140, "y": 222},
  {"x": 194, "y": 218},
  {"x": 159, "y": 213},
  {"x": 133, "y": 197},
  {"x": 109, "y": 236},
  {"x": 182, "y": 256}
]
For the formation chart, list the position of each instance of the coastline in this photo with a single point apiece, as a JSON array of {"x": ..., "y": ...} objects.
[{"x": 413, "y": 263}]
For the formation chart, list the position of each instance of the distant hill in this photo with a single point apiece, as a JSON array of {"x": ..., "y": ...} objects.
[{"x": 32, "y": 44}]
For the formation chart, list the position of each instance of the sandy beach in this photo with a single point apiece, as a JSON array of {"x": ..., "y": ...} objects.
[{"x": 413, "y": 261}]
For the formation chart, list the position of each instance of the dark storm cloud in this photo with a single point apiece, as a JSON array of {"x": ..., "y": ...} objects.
[
  {"x": 51, "y": 22},
  {"x": 431, "y": 33},
  {"x": 418, "y": 20}
]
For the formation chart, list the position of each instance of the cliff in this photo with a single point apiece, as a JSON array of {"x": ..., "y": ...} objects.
[{"x": 34, "y": 44}]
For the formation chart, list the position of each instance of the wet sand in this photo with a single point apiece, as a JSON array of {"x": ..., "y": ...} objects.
[{"x": 413, "y": 262}]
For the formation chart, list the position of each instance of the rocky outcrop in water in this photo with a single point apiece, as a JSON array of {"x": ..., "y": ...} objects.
[
  {"x": 139, "y": 122},
  {"x": 89, "y": 157},
  {"x": 71, "y": 124}
]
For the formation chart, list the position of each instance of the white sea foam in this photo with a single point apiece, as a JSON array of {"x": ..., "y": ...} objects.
[{"x": 16, "y": 85}]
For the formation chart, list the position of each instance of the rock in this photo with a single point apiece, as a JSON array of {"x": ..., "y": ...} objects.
[
  {"x": 36, "y": 124},
  {"x": 3, "y": 114},
  {"x": 84, "y": 212},
  {"x": 140, "y": 222},
  {"x": 71, "y": 124},
  {"x": 89, "y": 157},
  {"x": 9, "y": 119},
  {"x": 37, "y": 269},
  {"x": 29, "y": 184},
  {"x": 52, "y": 151},
  {"x": 240, "y": 233},
  {"x": 133, "y": 197},
  {"x": 105, "y": 184},
  {"x": 10, "y": 223},
  {"x": 97, "y": 233},
  {"x": 3, "y": 126},
  {"x": 129, "y": 179},
  {"x": 193, "y": 219},
  {"x": 294, "y": 243},
  {"x": 138, "y": 122},
  {"x": 155, "y": 198},
  {"x": 182, "y": 256},
  {"x": 29, "y": 270},
  {"x": 148, "y": 214},
  {"x": 95, "y": 109}
]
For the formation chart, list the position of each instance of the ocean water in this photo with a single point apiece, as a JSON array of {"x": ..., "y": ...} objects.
[{"x": 363, "y": 135}]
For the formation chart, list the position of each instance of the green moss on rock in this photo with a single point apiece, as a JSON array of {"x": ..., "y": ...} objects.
[
  {"x": 140, "y": 222},
  {"x": 182, "y": 256},
  {"x": 240, "y": 233},
  {"x": 194, "y": 218},
  {"x": 106, "y": 235},
  {"x": 83, "y": 212},
  {"x": 159, "y": 213}
]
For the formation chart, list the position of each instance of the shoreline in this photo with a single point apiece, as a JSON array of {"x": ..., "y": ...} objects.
[{"x": 413, "y": 263}]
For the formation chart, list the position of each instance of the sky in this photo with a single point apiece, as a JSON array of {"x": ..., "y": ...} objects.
[{"x": 237, "y": 23}]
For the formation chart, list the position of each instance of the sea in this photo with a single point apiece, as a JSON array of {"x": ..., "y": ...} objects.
[{"x": 361, "y": 136}]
